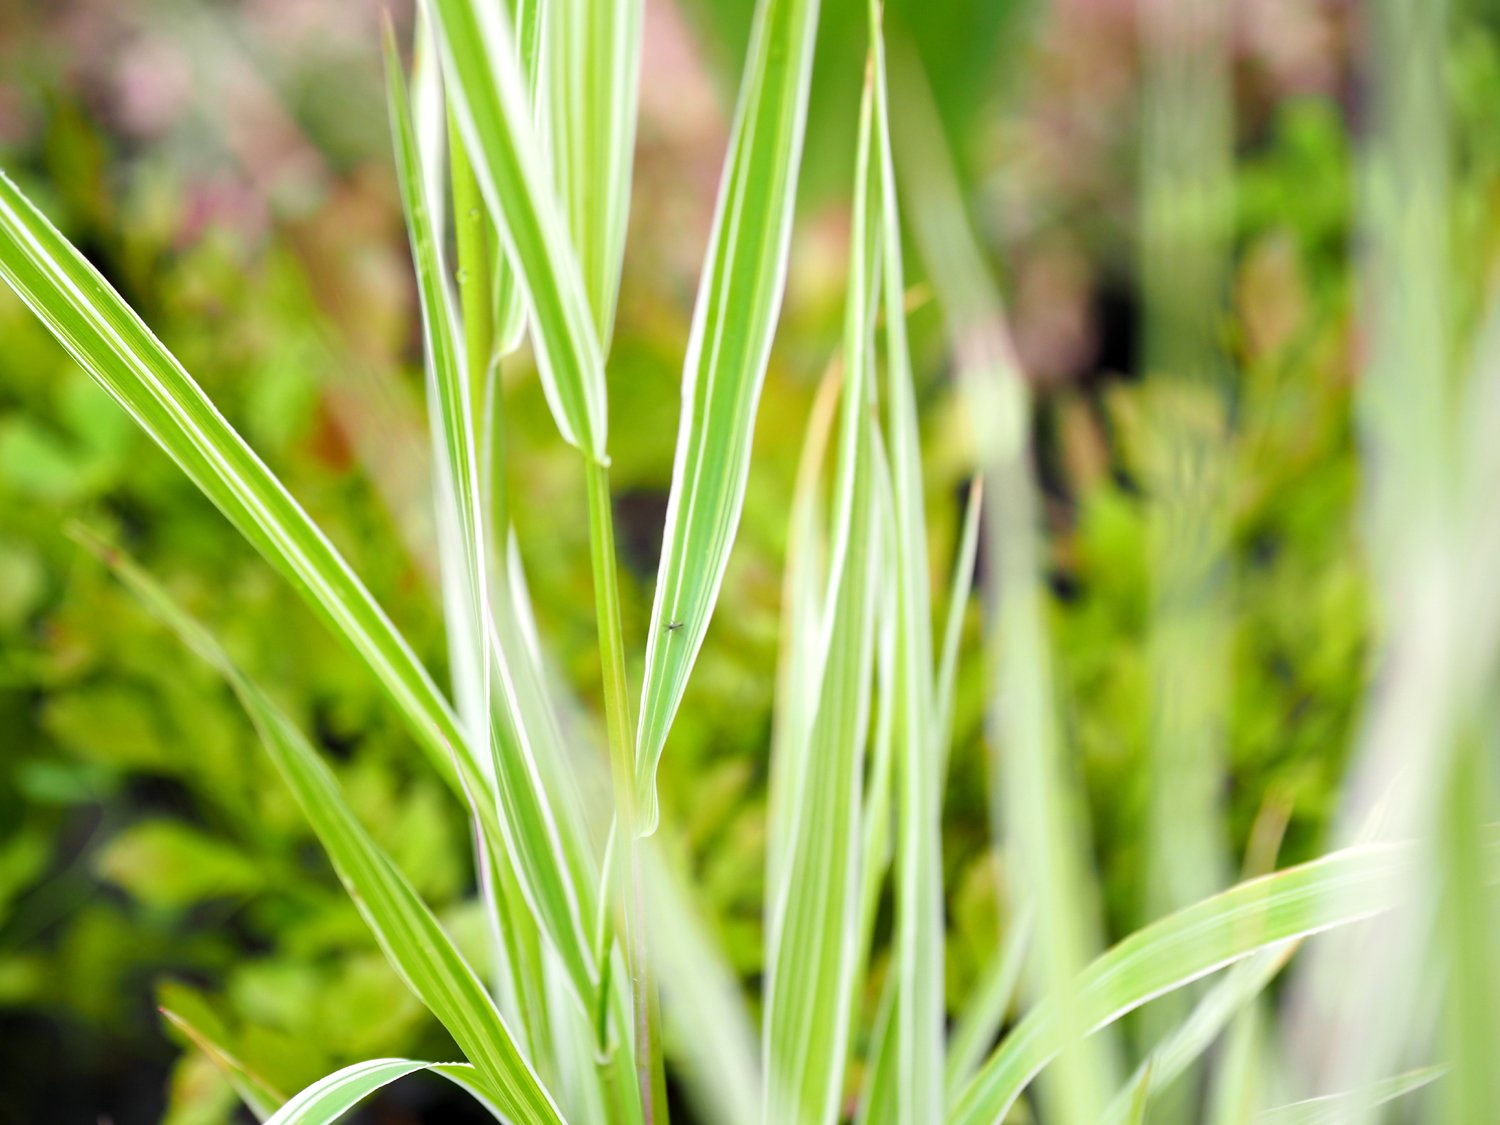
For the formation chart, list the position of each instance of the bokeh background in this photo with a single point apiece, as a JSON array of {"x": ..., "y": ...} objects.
[{"x": 227, "y": 165}]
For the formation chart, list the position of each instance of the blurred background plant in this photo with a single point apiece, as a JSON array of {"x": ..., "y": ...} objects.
[{"x": 221, "y": 163}]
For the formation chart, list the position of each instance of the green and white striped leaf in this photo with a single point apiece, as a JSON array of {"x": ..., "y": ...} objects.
[
  {"x": 1336, "y": 890},
  {"x": 917, "y": 1018},
  {"x": 494, "y": 114},
  {"x": 528, "y": 825},
  {"x": 815, "y": 928},
  {"x": 510, "y": 308},
  {"x": 450, "y": 399},
  {"x": 405, "y": 928},
  {"x": 813, "y": 924},
  {"x": 334, "y": 1095},
  {"x": 739, "y": 298},
  {"x": 596, "y": 75},
  {"x": 118, "y": 350},
  {"x": 879, "y": 1099}
]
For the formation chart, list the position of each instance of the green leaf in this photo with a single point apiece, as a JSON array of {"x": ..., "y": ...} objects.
[
  {"x": 407, "y": 931},
  {"x": 1336, "y": 890},
  {"x": 597, "y": 46},
  {"x": 918, "y": 1016},
  {"x": 334, "y": 1095},
  {"x": 528, "y": 825},
  {"x": 419, "y": 168},
  {"x": 493, "y": 111},
  {"x": 813, "y": 923},
  {"x": 116, "y": 348},
  {"x": 739, "y": 297},
  {"x": 510, "y": 309}
]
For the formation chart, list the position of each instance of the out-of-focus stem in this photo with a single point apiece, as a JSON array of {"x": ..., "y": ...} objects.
[{"x": 625, "y": 874}]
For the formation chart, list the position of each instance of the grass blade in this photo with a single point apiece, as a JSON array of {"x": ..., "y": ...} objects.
[
  {"x": 406, "y": 930},
  {"x": 1037, "y": 793},
  {"x": 597, "y": 47},
  {"x": 257, "y": 1094},
  {"x": 917, "y": 1033},
  {"x": 517, "y": 643},
  {"x": 816, "y": 925},
  {"x": 510, "y": 309},
  {"x": 450, "y": 398},
  {"x": 739, "y": 298},
  {"x": 1139, "y": 1098},
  {"x": 1338, "y": 889},
  {"x": 494, "y": 118},
  {"x": 802, "y": 586},
  {"x": 1185, "y": 1043},
  {"x": 1241, "y": 1073},
  {"x": 983, "y": 1017},
  {"x": 334, "y": 1095},
  {"x": 527, "y": 822},
  {"x": 875, "y": 853},
  {"x": 118, "y": 350},
  {"x": 960, "y": 586},
  {"x": 710, "y": 1033},
  {"x": 1331, "y": 1109},
  {"x": 813, "y": 928},
  {"x": 879, "y": 1099}
]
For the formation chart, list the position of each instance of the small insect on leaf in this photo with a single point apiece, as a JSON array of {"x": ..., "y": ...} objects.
[{"x": 674, "y": 626}]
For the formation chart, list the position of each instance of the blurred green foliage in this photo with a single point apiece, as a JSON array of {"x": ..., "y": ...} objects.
[{"x": 147, "y": 853}]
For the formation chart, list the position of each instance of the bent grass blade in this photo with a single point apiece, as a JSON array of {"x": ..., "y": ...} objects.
[
  {"x": 110, "y": 342},
  {"x": 408, "y": 933},
  {"x": 1339, "y": 889},
  {"x": 334, "y": 1095}
]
